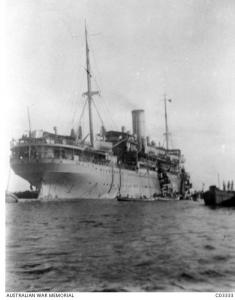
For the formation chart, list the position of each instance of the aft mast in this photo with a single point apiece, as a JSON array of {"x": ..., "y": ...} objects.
[
  {"x": 89, "y": 92},
  {"x": 166, "y": 124},
  {"x": 30, "y": 131}
]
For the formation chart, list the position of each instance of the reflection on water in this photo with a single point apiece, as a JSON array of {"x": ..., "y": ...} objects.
[{"x": 106, "y": 245}]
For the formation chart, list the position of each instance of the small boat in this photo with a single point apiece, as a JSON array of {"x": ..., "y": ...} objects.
[
  {"x": 27, "y": 194},
  {"x": 133, "y": 199},
  {"x": 140, "y": 199},
  {"x": 10, "y": 197},
  {"x": 215, "y": 196}
]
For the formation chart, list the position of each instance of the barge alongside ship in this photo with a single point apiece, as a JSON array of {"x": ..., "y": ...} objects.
[
  {"x": 217, "y": 197},
  {"x": 113, "y": 164}
]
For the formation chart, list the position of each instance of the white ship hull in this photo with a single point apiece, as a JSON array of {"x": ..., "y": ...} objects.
[{"x": 63, "y": 179}]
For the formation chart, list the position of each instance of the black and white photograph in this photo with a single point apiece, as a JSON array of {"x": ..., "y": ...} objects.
[{"x": 120, "y": 147}]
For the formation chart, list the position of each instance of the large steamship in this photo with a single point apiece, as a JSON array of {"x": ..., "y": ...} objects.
[{"x": 113, "y": 164}]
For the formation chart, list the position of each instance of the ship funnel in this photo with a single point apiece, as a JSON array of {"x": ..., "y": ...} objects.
[
  {"x": 138, "y": 125},
  {"x": 80, "y": 132}
]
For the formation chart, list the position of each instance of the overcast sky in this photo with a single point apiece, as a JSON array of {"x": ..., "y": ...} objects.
[{"x": 139, "y": 51}]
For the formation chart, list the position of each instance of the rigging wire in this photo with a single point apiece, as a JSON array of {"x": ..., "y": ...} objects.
[
  {"x": 104, "y": 102},
  {"x": 73, "y": 36},
  {"x": 74, "y": 115},
  {"x": 96, "y": 65},
  {"x": 82, "y": 113},
  {"x": 171, "y": 142},
  {"x": 97, "y": 85},
  {"x": 102, "y": 122},
  {"x": 69, "y": 106},
  {"x": 77, "y": 106}
]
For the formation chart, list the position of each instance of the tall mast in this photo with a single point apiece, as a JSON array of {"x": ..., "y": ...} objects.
[
  {"x": 29, "y": 121},
  {"x": 89, "y": 92},
  {"x": 166, "y": 125}
]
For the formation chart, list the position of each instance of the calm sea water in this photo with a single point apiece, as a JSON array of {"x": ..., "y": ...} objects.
[{"x": 106, "y": 245}]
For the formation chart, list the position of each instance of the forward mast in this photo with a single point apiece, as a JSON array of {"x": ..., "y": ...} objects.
[{"x": 89, "y": 92}]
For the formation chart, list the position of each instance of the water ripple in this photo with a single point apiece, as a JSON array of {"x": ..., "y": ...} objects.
[{"x": 111, "y": 246}]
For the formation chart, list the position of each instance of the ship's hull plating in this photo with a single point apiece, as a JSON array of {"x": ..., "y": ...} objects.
[{"x": 62, "y": 179}]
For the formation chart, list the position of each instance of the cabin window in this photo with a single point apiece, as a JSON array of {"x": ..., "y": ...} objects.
[
  {"x": 68, "y": 153},
  {"x": 41, "y": 152},
  {"x": 63, "y": 153},
  {"x": 50, "y": 141},
  {"x": 57, "y": 152},
  {"x": 33, "y": 152},
  {"x": 77, "y": 152},
  {"x": 23, "y": 152},
  {"x": 47, "y": 152}
]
